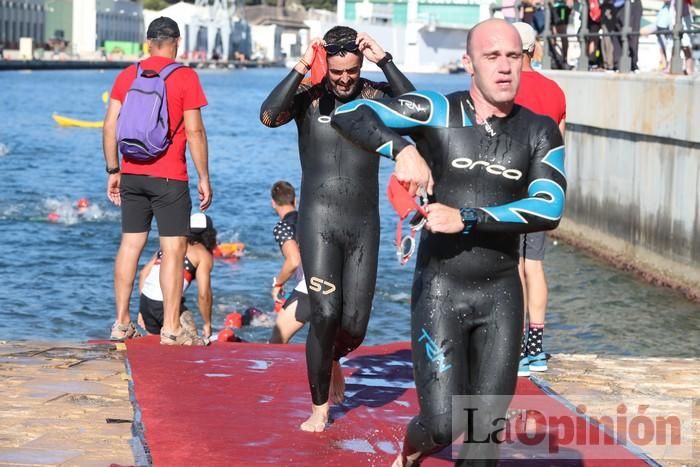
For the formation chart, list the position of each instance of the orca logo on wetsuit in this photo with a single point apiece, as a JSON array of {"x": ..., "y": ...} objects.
[
  {"x": 317, "y": 285},
  {"x": 494, "y": 169}
]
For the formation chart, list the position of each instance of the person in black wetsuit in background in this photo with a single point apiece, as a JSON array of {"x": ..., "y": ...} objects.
[
  {"x": 498, "y": 172},
  {"x": 338, "y": 213}
]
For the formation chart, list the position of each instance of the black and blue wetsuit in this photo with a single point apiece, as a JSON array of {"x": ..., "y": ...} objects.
[
  {"x": 467, "y": 304},
  {"x": 338, "y": 217}
]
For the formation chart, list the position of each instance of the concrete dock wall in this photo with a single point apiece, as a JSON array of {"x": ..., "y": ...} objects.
[{"x": 633, "y": 168}]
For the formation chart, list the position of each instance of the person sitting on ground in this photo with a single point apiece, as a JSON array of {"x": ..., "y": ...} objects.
[
  {"x": 198, "y": 265},
  {"x": 296, "y": 309}
]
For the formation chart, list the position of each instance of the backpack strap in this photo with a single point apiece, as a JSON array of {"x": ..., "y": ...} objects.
[
  {"x": 169, "y": 69},
  {"x": 164, "y": 74}
]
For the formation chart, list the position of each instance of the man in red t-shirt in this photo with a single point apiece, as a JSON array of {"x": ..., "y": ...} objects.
[
  {"x": 157, "y": 188},
  {"x": 543, "y": 96}
]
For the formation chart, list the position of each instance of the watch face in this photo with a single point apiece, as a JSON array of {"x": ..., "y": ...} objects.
[{"x": 468, "y": 215}]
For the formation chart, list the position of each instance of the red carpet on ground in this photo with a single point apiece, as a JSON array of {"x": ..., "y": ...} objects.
[{"x": 241, "y": 404}]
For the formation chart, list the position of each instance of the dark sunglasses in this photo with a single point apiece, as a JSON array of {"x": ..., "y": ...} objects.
[{"x": 335, "y": 49}]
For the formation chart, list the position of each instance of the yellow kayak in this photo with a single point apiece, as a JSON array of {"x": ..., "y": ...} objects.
[{"x": 67, "y": 121}]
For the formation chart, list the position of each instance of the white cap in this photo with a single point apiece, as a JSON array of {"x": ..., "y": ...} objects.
[
  {"x": 527, "y": 36},
  {"x": 199, "y": 222}
]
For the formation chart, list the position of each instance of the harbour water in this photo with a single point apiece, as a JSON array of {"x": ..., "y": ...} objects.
[{"x": 56, "y": 277}]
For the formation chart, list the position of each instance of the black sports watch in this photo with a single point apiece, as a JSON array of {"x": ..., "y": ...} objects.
[
  {"x": 469, "y": 219},
  {"x": 112, "y": 171},
  {"x": 385, "y": 59}
]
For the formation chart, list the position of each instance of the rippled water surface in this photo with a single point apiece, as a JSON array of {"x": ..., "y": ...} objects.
[{"x": 56, "y": 278}]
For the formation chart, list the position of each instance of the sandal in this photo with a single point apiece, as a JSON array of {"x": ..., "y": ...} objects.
[
  {"x": 121, "y": 332},
  {"x": 187, "y": 322},
  {"x": 182, "y": 338}
]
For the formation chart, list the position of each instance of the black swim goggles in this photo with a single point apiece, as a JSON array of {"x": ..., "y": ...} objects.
[{"x": 335, "y": 49}]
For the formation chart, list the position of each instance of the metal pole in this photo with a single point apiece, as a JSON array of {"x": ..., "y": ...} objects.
[
  {"x": 676, "y": 61},
  {"x": 625, "y": 59},
  {"x": 582, "y": 39},
  {"x": 546, "y": 36}
]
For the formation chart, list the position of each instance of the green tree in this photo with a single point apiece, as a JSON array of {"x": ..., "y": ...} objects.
[{"x": 155, "y": 4}]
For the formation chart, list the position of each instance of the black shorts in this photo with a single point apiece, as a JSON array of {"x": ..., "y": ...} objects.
[
  {"x": 532, "y": 246},
  {"x": 152, "y": 313},
  {"x": 144, "y": 196},
  {"x": 303, "y": 311}
]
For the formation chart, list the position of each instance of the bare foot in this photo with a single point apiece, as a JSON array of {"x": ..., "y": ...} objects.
[
  {"x": 337, "y": 390},
  {"x": 318, "y": 419},
  {"x": 402, "y": 460}
]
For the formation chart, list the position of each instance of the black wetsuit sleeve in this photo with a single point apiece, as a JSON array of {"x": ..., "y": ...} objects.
[
  {"x": 546, "y": 192},
  {"x": 280, "y": 107},
  {"x": 398, "y": 83},
  {"x": 377, "y": 125}
]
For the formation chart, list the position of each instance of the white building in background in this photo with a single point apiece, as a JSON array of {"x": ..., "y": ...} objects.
[
  {"x": 183, "y": 14},
  {"x": 267, "y": 42},
  {"x": 277, "y": 32},
  {"x": 422, "y": 35},
  {"x": 208, "y": 31},
  {"x": 84, "y": 27}
]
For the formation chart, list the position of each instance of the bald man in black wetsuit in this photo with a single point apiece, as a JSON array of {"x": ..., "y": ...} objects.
[
  {"x": 498, "y": 171},
  {"x": 338, "y": 214}
]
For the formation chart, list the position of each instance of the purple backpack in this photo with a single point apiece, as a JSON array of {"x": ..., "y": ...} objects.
[{"x": 143, "y": 125}]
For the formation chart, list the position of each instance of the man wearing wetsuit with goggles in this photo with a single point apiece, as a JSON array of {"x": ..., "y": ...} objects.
[
  {"x": 499, "y": 172},
  {"x": 338, "y": 212}
]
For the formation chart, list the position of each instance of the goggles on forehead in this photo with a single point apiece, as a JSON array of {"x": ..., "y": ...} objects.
[
  {"x": 335, "y": 49},
  {"x": 404, "y": 204}
]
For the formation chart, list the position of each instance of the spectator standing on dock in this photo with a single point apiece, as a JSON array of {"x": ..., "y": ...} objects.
[
  {"x": 686, "y": 23},
  {"x": 560, "y": 14},
  {"x": 543, "y": 96},
  {"x": 662, "y": 27},
  {"x": 510, "y": 12},
  {"x": 150, "y": 183},
  {"x": 613, "y": 21}
]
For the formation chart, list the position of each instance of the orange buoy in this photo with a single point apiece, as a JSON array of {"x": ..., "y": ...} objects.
[
  {"x": 279, "y": 303},
  {"x": 230, "y": 250}
]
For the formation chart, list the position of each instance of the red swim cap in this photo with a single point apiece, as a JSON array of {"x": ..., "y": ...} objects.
[
  {"x": 83, "y": 203},
  {"x": 53, "y": 217},
  {"x": 226, "y": 335},
  {"x": 233, "y": 320},
  {"x": 401, "y": 200},
  {"x": 319, "y": 66}
]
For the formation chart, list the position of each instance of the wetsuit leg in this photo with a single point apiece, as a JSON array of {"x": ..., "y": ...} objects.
[
  {"x": 465, "y": 340},
  {"x": 359, "y": 279},
  {"x": 322, "y": 258},
  {"x": 493, "y": 362},
  {"x": 438, "y": 348}
]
